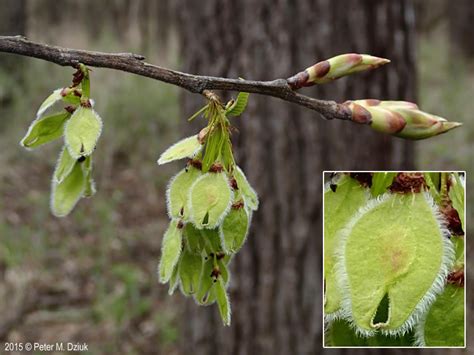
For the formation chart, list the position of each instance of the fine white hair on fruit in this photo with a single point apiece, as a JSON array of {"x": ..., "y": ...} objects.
[
  {"x": 168, "y": 193},
  {"x": 163, "y": 159},
  {"x": 331, "y": 317}
]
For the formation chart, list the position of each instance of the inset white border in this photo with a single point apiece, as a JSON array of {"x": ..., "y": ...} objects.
[{"x": 325, "y": 324}]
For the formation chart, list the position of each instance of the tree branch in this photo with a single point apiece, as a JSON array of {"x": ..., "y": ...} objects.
[{"x": 133, "y": 63}]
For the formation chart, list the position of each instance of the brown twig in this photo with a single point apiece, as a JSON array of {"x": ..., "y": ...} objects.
[{"x": 134, "y": 63}]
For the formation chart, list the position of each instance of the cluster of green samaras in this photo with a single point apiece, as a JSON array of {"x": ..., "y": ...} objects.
[
  {"x": 81, "y": 127},
  {"x": 210, "y": 204},
  {"x": 394, "y": 259}
]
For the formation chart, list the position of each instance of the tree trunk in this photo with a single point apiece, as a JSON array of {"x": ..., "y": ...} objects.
[
  {"x": 461, "y": 30},
  {"x": 13, "y": 17},
  {"x": 12, "y": 22},
  {"x": 276, "y": 278}
]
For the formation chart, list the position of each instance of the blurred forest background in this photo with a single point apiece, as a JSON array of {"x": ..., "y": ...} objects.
[{"x": 92, "y": 276}]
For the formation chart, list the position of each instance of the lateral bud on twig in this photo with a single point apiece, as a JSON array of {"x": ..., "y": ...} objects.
[
  {"x": 398, "y": 118},
  {"x": 335, "y": 68}
]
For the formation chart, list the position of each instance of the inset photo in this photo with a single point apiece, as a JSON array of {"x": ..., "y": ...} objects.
[{"x": 394, "y": 259}]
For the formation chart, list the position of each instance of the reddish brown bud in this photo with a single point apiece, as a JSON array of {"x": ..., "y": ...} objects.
[
  {"x": 233, "y": 183},
  {"x": 360, "y": 114},
  {"x": 321, "y": 68},
  {"x": 86, "y": 103},
  {"x": 77, "y": 77},
  {"x": 202, "y": 135},
  {"x": 195, "y": 163},
  {"x": 408, "y": 182},
  {"x": 456, "y": 278},
  {"x": 395, "y": 122},
  {"x": 70, "y": 108},
  {"x": 401, "y": 119},
  {"x": 336, "y": 67},
  {"x": 452, "y": 218},
  {"x": 365, "y": 179},
  {"x": 372, "y": 102},
  {"x": 238, "y": 205},
  {"x": 216, "y": 168},
  {"x": 299, "y": 80},
  {"x": 215, "y": 272}
]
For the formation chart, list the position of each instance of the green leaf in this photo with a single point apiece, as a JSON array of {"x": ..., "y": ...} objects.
[
  {"x": 238, "y": 107},
  {"x": 435, "y": 178},
  {"x": 209, "y": 200},
  {"x": 458, "y": 243},
  {"x": 190, "y": 267},
  {"x": 65, "y": 195},
  {"x": 178, "y": 192},
  {"x": 82, "y": 132},
  {"x": 432, "y": 187},
  {"x": 64, "y": 166},
  {"x": 50, "y": 101},
  {"x": 456, "y": 194},
  {"x": 248, "y": 193},
  {"x": 44, "y": 130},
  {"x": 444, "y": 323},
  {"x": 234, "y": 229},
  {"x": 214, "y": 144},
  {"x": 222, "y": 301},
  {"x": 227, "y": 156},
  {"x": 185, "y": 148},
  {"x": 72, "y": 99},
  {"x": 380, "y": 182},
  {"x": 394, "y": 246},
  {"x": 170, "y": 251},
  {"x": 198, "y": 112},
  {"x": 339, "y": 207}
]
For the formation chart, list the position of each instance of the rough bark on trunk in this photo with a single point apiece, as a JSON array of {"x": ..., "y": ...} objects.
[
  {"x": 461, "y": 30},
  {"x": 276, "y": 281},
  {"x": 13, "y": 21},
  {"x": 13, "y": 17}
]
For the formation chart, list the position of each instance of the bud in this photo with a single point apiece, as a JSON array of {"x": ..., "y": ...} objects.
[
  {"x": 399, "y": 118},
  {"x": 335, "y": 68},
  {"x": 202, "y": 135}
]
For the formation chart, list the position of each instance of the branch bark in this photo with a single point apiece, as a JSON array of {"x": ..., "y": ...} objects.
[{"x": 134, "y": 63}]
